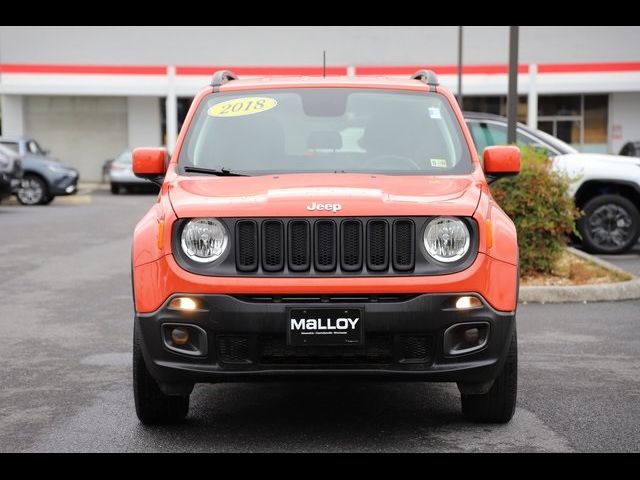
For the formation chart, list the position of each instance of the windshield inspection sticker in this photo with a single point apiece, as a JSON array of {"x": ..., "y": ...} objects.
[
  {"x": 434, "y": 112},
  {"x": 239, "y": 107},
  {"x": 439, "y": 163}
]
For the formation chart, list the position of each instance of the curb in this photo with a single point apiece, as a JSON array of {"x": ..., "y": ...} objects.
[{"x": 602, "y": 292}]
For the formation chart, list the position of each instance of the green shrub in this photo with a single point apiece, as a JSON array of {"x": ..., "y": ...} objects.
[{"x": 542, "y": 210}]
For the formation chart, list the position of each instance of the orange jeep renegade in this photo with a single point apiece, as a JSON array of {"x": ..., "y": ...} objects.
[{"x": 325, "y": 228}]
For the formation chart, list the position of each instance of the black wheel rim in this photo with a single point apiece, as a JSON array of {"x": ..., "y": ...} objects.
[
  {"x": 30, "y": 191},
  {"x": 610, "y": 226}
]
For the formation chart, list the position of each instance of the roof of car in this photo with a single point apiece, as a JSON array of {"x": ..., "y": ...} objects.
[
  {"x": 399, "y": 83},
  {"x": 483, "y": 116}
]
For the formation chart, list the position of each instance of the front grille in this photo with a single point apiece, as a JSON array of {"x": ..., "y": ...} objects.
[
  {"x": 325, "y": 246},
  {"x": 377, "y": 349}
]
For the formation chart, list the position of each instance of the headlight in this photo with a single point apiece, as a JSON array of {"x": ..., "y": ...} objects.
[
  {"x": 204, "y": 240},
  {"x": 447, "y": 239}
]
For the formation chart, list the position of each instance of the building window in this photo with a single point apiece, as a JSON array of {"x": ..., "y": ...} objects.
[
  {"x": 494, "y": 104},
  {"x": 580, "y": 120}
]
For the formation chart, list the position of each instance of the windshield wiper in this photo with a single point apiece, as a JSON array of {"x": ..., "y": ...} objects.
[{"x": 222, "y": 172}]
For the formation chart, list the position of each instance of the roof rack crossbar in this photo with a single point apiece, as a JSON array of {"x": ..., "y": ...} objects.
[
  {"x": 427, "y": 76},
  {"x": 221, "y": 77}
]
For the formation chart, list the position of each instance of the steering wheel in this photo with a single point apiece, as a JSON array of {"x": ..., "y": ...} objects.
[{"x": 388, "y": 159}]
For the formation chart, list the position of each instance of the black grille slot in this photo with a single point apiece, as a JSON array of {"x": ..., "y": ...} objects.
[
  {"x": 403, "y": 245},
  {"x": 325, "y": 245},
  {"x": 351, "y": 246},
  {"x": 234, "y": 349},
  {"x": 299, "y": 254},
  {"x": 272, "y": 245},
  {"x": 378, "y": 349},
  {"x": 416, "y": 348},
  {"x": 377, "y": 245},
  {"x": 247, "y": 246}
]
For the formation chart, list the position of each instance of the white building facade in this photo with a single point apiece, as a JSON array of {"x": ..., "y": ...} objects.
[{"x": 89, "y": 93}]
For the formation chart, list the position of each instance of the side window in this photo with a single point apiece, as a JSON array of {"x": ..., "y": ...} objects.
[
  {"x": 487, "y": 135},
  {"x": 490, "y": 134},
  {"x": 12, "y": 145}
]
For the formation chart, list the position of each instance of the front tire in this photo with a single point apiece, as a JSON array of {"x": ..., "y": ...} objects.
[
  {"x": 611, "y": 224},
  {"x": 115, "y": 188},
  {"x": 32, "y": 191},
  {"x": 498, "y": 404},
  {"x": 153, "y": 407}
]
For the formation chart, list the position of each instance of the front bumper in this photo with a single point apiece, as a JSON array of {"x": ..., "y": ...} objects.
[
  {"x": 65, "y": 184},
  {"x": 258, "y": 328}
]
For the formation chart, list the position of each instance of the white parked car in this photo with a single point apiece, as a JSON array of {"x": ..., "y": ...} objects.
[
  {"x": 121, "y": 176},
  {"x": 605, "y": 187}
]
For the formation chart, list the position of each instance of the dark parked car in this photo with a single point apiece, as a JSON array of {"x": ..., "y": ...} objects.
[
  {"x": 44, "y": 176},
  {"x": 10, "y": 172},
  {"x": 630, "y": 149}
]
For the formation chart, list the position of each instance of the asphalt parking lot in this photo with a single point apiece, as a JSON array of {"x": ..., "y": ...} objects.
[{"x": 66, "y": 323}]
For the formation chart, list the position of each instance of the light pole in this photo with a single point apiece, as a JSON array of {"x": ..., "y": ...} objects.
[
  {"x": 512, "y": 97},
  {"x": 459, "y": 95}
]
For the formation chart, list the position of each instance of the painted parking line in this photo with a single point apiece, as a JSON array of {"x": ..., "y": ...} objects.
[{"x": 79, "y": 199}]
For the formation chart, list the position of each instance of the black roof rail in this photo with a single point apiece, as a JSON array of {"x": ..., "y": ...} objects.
[
  {"x": 427, "y": 76},
  {"x": 221, "y": 77}
]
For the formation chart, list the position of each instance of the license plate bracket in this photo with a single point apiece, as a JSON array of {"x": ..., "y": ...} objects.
[{"x": 325, "y": 327}]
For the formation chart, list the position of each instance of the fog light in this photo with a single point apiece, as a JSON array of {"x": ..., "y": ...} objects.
[
  {"x": 180, "y": 336},
  {"x": 466, "y": 303},
  {"x": 464, "y": 338},
  {"x": 471, "y": 336},
  {"x": 183, "y": 303},
  {"x": 186, "y": 339}
]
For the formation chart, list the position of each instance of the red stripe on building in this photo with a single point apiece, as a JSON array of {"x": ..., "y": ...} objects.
[
  {"x": 313, "y": 70},
  {"x": 83, "y": 69},
  {"x": 262, "y": 71},
  {"x": 589, "y": 67},
  {"x": 438, "y": 69}
]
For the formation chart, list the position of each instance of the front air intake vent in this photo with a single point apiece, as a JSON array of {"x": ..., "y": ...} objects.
[
  {"x": 272, "y": 245},
  {"x": 377, "y": 245},
  {"x": 325, "y": 245}
]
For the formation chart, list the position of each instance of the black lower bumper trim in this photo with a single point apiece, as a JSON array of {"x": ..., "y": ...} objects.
[{"x": 403, "y": 340}]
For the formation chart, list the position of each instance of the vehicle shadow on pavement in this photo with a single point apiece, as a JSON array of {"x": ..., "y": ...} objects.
[{"x": 318, "y": 416}]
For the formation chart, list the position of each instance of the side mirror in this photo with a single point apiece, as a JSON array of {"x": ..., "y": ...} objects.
[
  {"x": 150, "y": 163},
  {"x": 501, "y": 162}
]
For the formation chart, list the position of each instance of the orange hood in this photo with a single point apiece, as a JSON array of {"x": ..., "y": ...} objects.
[{"x": 291, "y": 195}]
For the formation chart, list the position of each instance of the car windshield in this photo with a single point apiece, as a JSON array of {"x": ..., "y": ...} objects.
[
  {"x": 326, "y": 130},
  {"x": 125, "y": 158}
]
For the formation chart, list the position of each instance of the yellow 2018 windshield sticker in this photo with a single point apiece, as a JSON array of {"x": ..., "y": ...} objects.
[{"x": 239, "y": 107}]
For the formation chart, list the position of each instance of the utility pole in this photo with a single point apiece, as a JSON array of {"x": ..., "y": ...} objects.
[
  {"x": 512, "y": 97},
  {"x": 459, "y": 67}
]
